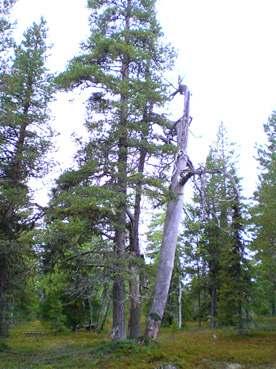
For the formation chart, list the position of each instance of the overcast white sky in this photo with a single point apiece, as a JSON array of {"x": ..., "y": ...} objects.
[{"x": 227, "y": 56}]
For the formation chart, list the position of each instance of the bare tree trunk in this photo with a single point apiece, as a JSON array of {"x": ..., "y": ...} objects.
[{"x": 171, "y": 226}]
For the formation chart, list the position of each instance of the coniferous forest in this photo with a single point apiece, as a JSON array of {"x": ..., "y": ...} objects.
[{"x": 121, "y": 269}]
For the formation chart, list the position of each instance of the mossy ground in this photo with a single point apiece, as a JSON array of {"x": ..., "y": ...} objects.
[{"x": 33, "y": 347}]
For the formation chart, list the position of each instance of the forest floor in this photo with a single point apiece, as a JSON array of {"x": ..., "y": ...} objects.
[{"x": 34, "y": 347}]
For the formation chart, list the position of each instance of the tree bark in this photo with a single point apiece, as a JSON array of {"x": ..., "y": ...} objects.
[
  {"x": 171, "y": 226},
  {"x": 179, "y": 303},
  {"x": 134, "y": 284},
  {"x": 119, "y": 326},
  {"x": 213, "y": 308},
  {"x": 135, "y": 303}
]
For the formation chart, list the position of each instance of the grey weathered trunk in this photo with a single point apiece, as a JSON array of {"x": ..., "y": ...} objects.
[{"x": 171, "y": 226}]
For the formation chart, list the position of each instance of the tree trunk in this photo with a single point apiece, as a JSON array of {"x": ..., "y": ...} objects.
[
  {"x": 199, "y": 306},
  {"x": 213, "y": 308},
  {"x": 119, "y": 329},
  {"x": 134, "y": 284},
  {"x": 135, "y": 303},
  {"x": 179, "y": 304},
  {"x": 119, "y": 326},
  {"x": 171, "y": 226},
  {"x": 273, "y": 304}
]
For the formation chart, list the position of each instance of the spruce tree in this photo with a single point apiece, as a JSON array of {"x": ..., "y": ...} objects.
[
  {"x": 264, "y": 215},
  {"x": 122, "y": 63},
  {"x": 218, "y": 220},
  {"x": 229, "y": 281},
  {"x": 24, "y": 141}
]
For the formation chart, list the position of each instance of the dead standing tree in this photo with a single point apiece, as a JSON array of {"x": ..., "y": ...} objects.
[
  {"x": 183, "y": 171},
  {"x": 180, "y": 176}
]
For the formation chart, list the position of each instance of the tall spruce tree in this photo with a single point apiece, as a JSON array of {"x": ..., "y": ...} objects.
[
  {"x": 227, "y": 215},
  {"x": 225, "y": 233},
  {"x": 24, "y": 140},
  {"x": 264, "y": 215},
  {"x": 122, "y": 63},
  {"x": 218, "y": 220}
]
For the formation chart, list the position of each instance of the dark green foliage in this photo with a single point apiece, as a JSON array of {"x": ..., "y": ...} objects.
[
  {"x": 215, "y": 242},
  {"x": 24, "y": 141},
  {"x": 121, "y": 65},
  {"x": 25, "y": 134},
  {"x": 77, "y": 268},
  {"x": 263, "y": 218}
]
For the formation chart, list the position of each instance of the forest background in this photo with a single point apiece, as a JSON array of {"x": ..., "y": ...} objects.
[{"x": 86, "y": 255}]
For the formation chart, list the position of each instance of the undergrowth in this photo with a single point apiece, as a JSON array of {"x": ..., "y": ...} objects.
[{"x": 34, "y": 347}]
